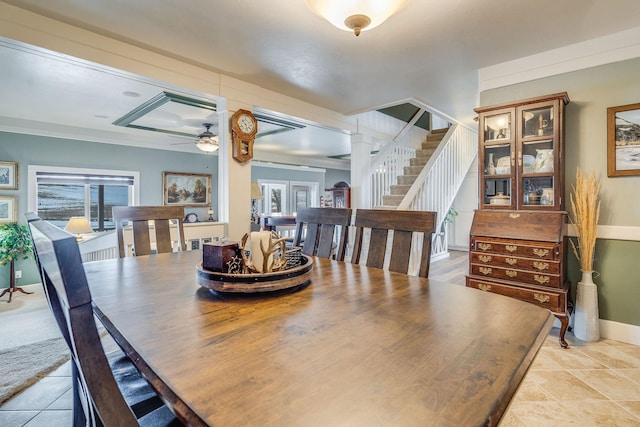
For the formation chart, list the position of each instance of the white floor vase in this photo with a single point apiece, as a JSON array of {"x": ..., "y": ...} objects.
[{"x": 586, "y": 324}]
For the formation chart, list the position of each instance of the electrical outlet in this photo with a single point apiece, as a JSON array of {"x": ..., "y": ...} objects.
[{"x": 18, "y": 274}]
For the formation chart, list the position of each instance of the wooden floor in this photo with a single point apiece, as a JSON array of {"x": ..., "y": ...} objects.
[
  {"x": 450, "y": 270},
  {"x": 588, "y": 384}
]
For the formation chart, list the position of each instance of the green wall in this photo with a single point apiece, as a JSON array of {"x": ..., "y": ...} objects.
[
  {"x": 333, "y": 176},
  {"x": 282, "y": 174},
  {"x": 326, "y": 179},
  {"x": 591, "y": 91}
]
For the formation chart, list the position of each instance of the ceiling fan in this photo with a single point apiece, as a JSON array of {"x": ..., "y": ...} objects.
[{"x": 206, "y": 142}]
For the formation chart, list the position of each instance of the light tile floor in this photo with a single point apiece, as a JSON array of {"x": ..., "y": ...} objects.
[{"x": 588, "y": 384}]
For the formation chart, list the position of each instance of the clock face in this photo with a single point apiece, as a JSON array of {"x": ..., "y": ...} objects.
[
  {"x": 192, "y": 217},
  {"x": 246, "y": 124}
]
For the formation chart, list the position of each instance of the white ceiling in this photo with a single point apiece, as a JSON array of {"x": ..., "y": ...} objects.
[{"x": 430, "y": 51}]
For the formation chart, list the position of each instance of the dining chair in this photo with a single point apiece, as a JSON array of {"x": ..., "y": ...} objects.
[
  {"x": 139, "y": 217},
  {"x": 316, "y": 230},
  {"x": 108, "y": 390},
  {"x": 404, "y": 224}
]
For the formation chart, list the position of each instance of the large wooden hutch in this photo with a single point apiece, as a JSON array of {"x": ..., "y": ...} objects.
[{"x": 516, "y": 244}]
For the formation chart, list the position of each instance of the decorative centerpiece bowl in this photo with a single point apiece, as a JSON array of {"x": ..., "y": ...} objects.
[
  {"x": 298, "y": 275},
  {"x": 260, "y": 263}
]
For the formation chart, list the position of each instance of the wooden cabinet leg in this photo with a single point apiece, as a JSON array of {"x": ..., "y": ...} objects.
[{"x": 564, "y": 321}]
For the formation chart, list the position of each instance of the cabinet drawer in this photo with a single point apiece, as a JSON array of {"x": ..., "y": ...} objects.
[
  {"x": 555, "y": 301},
  {"x": 516, "y": 248},
  {"x": 520, "y": 276},
  {"x": 538, "y": 266}
]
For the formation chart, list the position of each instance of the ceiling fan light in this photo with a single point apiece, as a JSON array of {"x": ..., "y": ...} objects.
[
  {"x": 208, "y": 145},
  {"x": 207, "y": 141},
  {"x": 351, "y": 15}
]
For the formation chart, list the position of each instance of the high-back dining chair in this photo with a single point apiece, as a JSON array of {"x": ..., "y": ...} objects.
[
  {"x": 321, "y": 226},
  {"x": 108, "y": 390},
  {"x": 139, "y": 217},
  {"x": 404, "y": 224}
]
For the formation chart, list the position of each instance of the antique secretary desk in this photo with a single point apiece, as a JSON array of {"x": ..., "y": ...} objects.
[{"x": 516, "y": 241}]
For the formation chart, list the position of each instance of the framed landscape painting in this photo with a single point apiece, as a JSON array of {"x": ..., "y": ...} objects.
[
  {"x": 8, "y": 209},
  {"x": 623, "y": 140},
  {"x": 186, "y": 189},
  {"x": 8, "y": 175}
]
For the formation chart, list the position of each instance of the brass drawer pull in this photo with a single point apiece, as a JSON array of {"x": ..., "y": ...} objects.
[
  {"x": 511, "y": 261},
  {"x": 541, "y": 279},
  {"x": 514, "y": 215},
  {"x": 511, "y": 248},
  {"x": 541, "y": 298},
  {"x": 541, "y": 252},
  {"x": 541, "y": 265},
  {"x": 485, "y": 258},
  {"x": 485, "y": 270},
  {"x": 484, "y": 287},
  {"x": 484, "y": 246},
  {"x": 511, "y": 273}
]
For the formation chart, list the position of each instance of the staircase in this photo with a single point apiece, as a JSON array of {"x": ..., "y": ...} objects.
[{"x": 411, "y": 172}]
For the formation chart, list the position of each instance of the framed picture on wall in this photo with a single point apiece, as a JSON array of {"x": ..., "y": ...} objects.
[
  {"x": 623, "y": 140},
  {"x": 8, "y": 209},
  {"x": 186, "y": 189},
  {"x": 8, "y": 175}
]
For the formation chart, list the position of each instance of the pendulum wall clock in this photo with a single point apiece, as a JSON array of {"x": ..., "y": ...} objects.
[{"x": 244, "y": 127}]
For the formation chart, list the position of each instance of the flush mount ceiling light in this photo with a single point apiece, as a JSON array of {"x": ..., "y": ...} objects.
[
  {"x": 207, "y": 141},
  {"x": 356, "y": 15}
]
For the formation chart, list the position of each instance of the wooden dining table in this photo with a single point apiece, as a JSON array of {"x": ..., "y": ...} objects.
[{"x": 356, "y": 346}]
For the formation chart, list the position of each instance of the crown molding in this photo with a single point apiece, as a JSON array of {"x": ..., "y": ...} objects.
[{"x": 591, "y": 53}]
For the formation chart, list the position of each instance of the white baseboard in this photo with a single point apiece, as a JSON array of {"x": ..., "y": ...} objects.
[{"x": 620, "y": 332}]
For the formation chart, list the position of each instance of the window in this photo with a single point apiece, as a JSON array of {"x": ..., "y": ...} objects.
[
  {"x": 57, "y": 194},
  {"x": 274, "y": 197},
  {"x": 286, "y": 197}
]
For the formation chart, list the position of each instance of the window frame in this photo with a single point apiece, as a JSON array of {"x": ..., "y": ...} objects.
[{"x": 32, "y": 183}]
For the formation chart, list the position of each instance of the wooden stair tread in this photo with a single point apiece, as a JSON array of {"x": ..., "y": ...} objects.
[{"x": 411, "y": 172}]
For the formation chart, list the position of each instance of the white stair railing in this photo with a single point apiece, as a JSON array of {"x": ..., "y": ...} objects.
[
  {"x": 385, "y": 168},
  {"x": 436, "y": 186}
]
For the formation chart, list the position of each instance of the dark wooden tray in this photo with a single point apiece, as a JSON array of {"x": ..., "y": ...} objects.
[{"x": 258, "y": 282}]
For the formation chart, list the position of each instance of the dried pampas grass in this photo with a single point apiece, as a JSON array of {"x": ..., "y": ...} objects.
[{"x": 586, "y": 212}]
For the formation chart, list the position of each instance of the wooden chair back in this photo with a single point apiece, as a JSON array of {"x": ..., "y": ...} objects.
[
  {"x": 321, "y": 226},
  {"x": 139, "y": 217},
  {"x": 404, "y": 224},
  {"x": 66, "y": 287}
]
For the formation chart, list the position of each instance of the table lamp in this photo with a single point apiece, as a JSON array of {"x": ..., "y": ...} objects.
[
  {"x": 256, "y": 194},
  {"x": 78, "y": 225}
]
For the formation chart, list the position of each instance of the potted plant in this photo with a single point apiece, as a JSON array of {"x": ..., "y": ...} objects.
[
  {"x": 586, "y": 212},
  {"x": 15, "y": 243}
]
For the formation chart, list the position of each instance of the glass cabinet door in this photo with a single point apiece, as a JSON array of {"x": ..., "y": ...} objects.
[
  {"x": 497, "y": 157},
  {"x": 538, "y": 157},
  {"x": 520, "y": 154}
]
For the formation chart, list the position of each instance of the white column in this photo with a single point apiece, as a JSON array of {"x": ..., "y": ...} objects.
[{"x": 360, "y": 161}]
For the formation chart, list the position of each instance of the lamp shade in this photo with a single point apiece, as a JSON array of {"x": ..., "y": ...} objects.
[
  {"x": 356, "y": 15},
  {"x": 78, "y": 225},
  {"x": 255, "y": 191}
]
